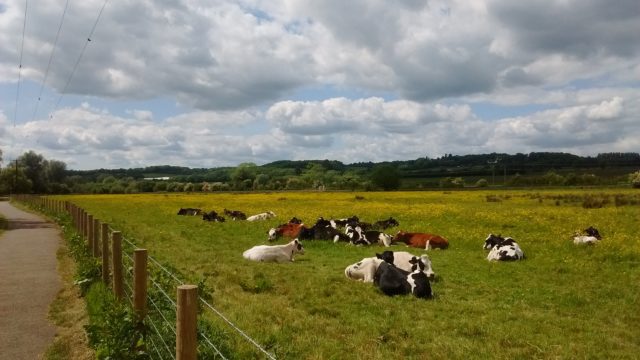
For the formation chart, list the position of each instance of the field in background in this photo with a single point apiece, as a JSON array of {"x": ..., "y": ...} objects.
[{"x": 562, "y": 301}]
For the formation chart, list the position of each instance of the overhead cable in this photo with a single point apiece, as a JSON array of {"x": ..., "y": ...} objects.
[
  {"x": 84, "y": 48},
  {"x": 53, "y": 50},
  {"x": 24, "y": 27}
]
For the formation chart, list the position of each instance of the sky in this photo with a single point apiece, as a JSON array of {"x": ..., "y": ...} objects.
[{"x": 211, "y": 83}]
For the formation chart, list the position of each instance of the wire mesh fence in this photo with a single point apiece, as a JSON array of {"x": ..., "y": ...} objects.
[{"x": 161, "y": 305}]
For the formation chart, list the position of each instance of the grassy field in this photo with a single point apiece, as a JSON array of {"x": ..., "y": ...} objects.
[{"x": 561, "y": 301}]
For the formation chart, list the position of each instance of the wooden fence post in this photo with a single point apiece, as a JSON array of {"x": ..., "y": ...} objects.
[
  {"x": 89, "y": 230},
  {"x": 105, "y": 253},
  {"x": 84, "y": 225},
  {"x": 116, "y": 255},
  {"x": 140, "y": 282},
  {"x": 186, "y": 323},
  {"x": 96, "y": 238}
]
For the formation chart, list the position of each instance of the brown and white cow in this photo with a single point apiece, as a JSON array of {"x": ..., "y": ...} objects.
[
  {"x": 289, "y": 230},
  {"x": 421, "y": 240}
]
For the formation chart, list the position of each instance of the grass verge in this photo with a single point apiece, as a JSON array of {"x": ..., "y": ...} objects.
[{"x": 68, "y": 312}]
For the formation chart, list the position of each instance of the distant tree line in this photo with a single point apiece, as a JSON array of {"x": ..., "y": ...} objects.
[{"x": 32, "y": 173}]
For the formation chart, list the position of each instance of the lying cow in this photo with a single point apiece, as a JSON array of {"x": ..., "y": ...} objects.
[
  {"x": 359, "y": 237},
  {"x": 189, "y": 211},
  {"x": 212, "y": 216},
  {"x": 502, "y": 249},
  {"x": 405, "y": 261},
  {"x": 421, "y": 240},
  {"x": 378, "y": 237},
  {"x": 356, "y": 235},
  {"x": 385, "y": 224},
  {"x": 590, "y": 235},
  {"x": 262, "y": 216},
  {"x": 235, "y": 214},
  {"x": 289, "y": 230},
  {"x": 365, "y": 269},
  {"x": 353, "y": 221},
  {"x": 394, "y": 281},
  {"x": 274, "y": 253}
]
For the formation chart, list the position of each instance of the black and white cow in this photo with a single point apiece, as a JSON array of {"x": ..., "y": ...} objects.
[
  {"x": 235, "y": 214},
  {"x": 374, "y": 236},
  {"x": 590, "y": 235},
  {"x": 212, "y": 216},
  {"x": 405, "y": 261},
  {"x": 393, "y": 281},
  {"x": 365, "y": 269},
  {"x": 353, "y": 220},
  {"x": 385, "y": 224},
  {"x": 502, "y": 249},
  {"x": 356, "y": 235},
  {"x": 189, "y": 211}
]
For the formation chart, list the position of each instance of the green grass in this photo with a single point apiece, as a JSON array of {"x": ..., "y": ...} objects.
[{"x": 561, "y": 301}]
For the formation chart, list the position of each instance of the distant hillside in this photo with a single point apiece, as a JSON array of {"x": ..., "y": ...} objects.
[{"x": 480, "y": 165}]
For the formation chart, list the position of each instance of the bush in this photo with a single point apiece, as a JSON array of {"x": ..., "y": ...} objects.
[
  {"x": 451, "y": 182},
  {"x": 113, "y": 330},
  {"x": 634, "y": 179},
  {"x": 482, "y": 183}
]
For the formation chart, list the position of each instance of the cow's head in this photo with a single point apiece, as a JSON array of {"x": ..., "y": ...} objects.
[
  {"x": 386, "y": 239},
  {"x": 492, "y": 240},
  {"x": 386, "y": 255},
  {"x": 400, "y": 236},
  {"x": 428, "y": 270},
  {"x": 272, "y": 234},
  {"x": 392, "y": 222},
  {"x": 591, "y": 231},
  {"x": 298, "y": 248}
]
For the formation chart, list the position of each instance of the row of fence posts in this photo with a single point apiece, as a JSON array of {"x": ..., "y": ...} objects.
[{"x": 97, "y": 233}]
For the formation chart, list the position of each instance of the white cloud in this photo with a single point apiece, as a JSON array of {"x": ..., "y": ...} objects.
[
  {"x": 407, "y": 75},
  {"x": 607, "y": 109}
]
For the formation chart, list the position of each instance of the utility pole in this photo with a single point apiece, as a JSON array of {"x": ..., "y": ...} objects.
[
  {"x": 15, "y": 179},
  {"x": 504, "y": 183},
  {"x": 493, "y": 169}
]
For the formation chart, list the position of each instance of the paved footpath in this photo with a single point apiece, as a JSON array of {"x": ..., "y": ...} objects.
[{"x": 29, "y": 282}]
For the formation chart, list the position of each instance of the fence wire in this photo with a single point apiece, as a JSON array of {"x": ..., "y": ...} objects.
[{"x": 129, "y": 293}]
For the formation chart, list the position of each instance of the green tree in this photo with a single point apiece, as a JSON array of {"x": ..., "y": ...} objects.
[
  {"x": 314, "y": 175},
  {"x": 12, "y": 181},
  {"x": 634, "y": 179},
  {"x": 244, "y": 172},
  {"x": 56, "y": 171},
  {"x": 386, "y": 177},
  {"x": 34, "y": 167},
  {"x": 261, "y": 181}
]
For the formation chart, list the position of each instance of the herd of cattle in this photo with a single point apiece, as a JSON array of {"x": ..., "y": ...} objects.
[{"x": 394, "y": 272}]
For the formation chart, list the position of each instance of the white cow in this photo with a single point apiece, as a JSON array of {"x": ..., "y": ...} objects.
[
  {"x": 262, "y": 216},
  {"x": 274, "y": 253},
  {"x": 585, "y": 239},
  {"x": 403, "y": 260},
  {"x": 363, "y": 270}
]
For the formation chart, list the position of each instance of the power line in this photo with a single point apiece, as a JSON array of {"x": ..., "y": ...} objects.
[
  {"x": 53, "y": 50},
  {"x": 24, "y": 27},
  {"x": 84, "y": 48}
]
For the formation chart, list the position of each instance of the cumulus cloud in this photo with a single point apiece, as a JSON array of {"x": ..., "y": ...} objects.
[{"x": 409, "y": 76}]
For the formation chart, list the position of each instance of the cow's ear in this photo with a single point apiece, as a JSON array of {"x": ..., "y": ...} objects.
[{"x": 378, "y": 256}]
